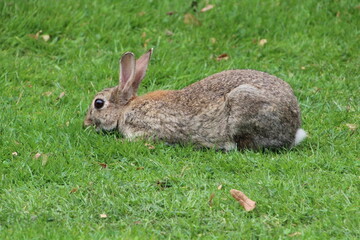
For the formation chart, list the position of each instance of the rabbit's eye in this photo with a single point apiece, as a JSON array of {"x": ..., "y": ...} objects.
[{"x": 99, "y": 103}]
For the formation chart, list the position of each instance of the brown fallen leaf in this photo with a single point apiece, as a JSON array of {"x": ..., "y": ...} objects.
[
  {"x": 35, "y": 36},
  {"x": 168, "y": 33},
  {"x": 244, "y": 201},
  {"x": 223, "y": 56},
  {"x": 170, "y": 13},
  {"x": 62, "y": 94},
  {"x": 191, "y": 20},
  {"x": 351, "y": 126},
  {"x": 45, "y": 37},
  {"x": 149, "y": 146},
  {"x": 44, "y": 158},
  {"x": 207, "y": 8},
  {"x": 140, "y": 168},
  {"x": 103, "y": 215},
  {"x": 295, "y": 234},
  {"x": 212, "y": 195},
  {"x": 47, "y": 93},
  {"x": 141, "y": 13},
  {"x": 38, "y": 35},
  {"x": 262, "y": 42},
  {"x": 219, "y": 187},
  {"x": 103, "y": 165},
  {"x": 74, "y": 190}
]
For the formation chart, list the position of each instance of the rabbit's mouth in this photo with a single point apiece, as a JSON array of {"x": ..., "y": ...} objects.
[
  {"x": 106, "y": 129},
  {"x": 112, "y": 131}
]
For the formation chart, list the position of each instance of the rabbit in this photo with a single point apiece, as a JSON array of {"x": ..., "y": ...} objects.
[{"x": 233, "y": 109}]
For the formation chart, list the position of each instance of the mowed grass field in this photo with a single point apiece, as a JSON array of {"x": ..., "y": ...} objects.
[{"x": 59, "y": 181}]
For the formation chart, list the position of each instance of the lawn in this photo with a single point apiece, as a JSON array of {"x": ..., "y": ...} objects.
[{"x": 59, "y": 181}]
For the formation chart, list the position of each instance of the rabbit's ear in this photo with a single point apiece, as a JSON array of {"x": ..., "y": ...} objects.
[
  {"x": 127, "y": 69},
  {"x": 140, "y": 69}
]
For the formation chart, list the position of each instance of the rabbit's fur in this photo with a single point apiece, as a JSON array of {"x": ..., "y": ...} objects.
[{"x": 233, "y": 109}]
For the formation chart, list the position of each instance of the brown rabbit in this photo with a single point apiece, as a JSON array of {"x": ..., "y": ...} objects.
[{"x": 233, "y": 109}]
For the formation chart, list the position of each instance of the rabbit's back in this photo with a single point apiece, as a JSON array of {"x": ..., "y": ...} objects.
[{"x": 214, "y": 88}]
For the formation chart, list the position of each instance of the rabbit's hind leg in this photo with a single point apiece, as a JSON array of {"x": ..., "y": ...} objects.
[{"x": 253, "y": 122}]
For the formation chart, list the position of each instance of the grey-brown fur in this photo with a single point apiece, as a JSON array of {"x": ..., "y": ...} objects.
[{"x": 228, "y": 110}]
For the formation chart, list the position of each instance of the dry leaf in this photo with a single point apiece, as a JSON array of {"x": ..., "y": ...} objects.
[
  {"x": 74, "y": 190},
  {"x": 141, "y": 13},
  {"x": 170, "y": 13},
  {"x": 223, "y": 56},
  {"x": 213, "y": 40},
  {"x": 219, "y": 187},
  {"x": 103, "y": 165},
  {"x": 143, "y": 35},
  {"x": 103, "y": 215},
  {"x": 262, "y": 42},
  {"x": 207, "y": 8},
  {"x": 35, "y": 36},
  {"x": 295, "y": 234},
  {"x": 47, "y": 93},
  {"x": 351, "y": 126},
  {"x": 211, "y": 199},
  {"x": 149, "y": 146},
  {"x": 338, "y": 14},
  {"x": 303, "y": 68},
  {"x": 191, "y": 20},
  {"x": 45, "y": 37},
  {"x": 169, "y": 33},
  {"x": 44, "y": 158},
  {"x": 14, "y": 153},
  {"x": 62, "y": 94},
  {"x": 244, "y": 201},
  {"x": 140, "y": 168}
]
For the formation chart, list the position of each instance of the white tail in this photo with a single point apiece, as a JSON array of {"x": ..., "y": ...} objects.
[{"x": 299, "y": 136}]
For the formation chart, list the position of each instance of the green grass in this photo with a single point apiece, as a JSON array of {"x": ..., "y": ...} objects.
[{"x": 310, "y": 192}]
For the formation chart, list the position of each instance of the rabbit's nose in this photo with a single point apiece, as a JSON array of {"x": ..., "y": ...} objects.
[{"x": 87, "y": 122}]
